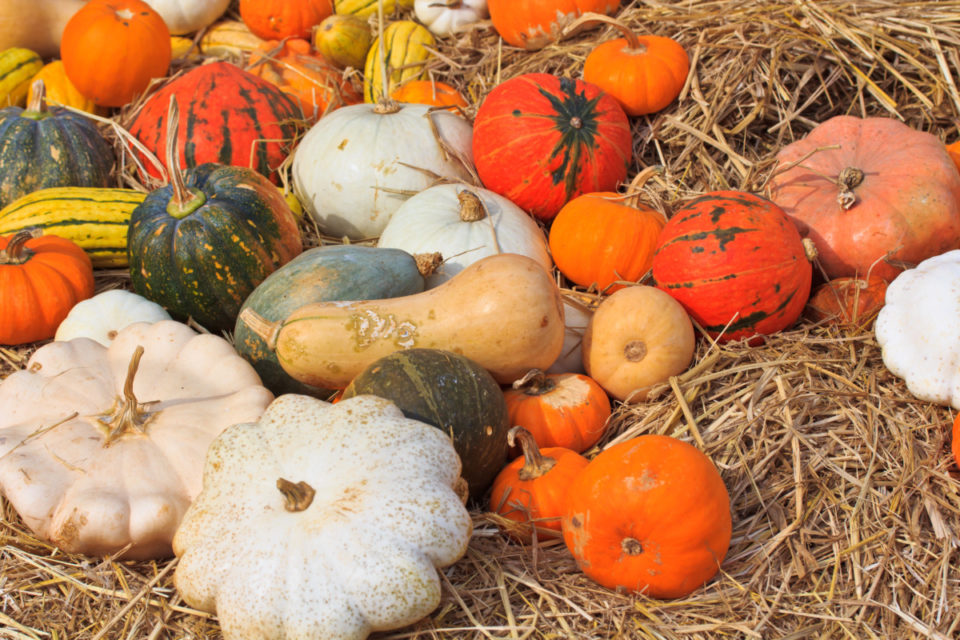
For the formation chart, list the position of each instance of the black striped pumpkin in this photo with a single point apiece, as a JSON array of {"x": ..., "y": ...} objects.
[
  {"x": 228, "y": 116},
  {"x": 736, "y": 263}
]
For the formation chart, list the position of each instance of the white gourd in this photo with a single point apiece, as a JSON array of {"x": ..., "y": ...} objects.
[
  {"x": 188, "y": 16},
  {"x": 102, "y": 317},
  {"x": 446, "y": 17}
]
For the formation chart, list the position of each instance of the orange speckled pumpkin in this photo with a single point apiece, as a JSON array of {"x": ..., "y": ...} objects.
[
  {"x": 533, "y": 24},
  {"x": 848, "y": 301},
  {"x": 650, "y": 515},
  {"x": 41, "y": 278},
  {"x": 279, "y": 19},
  {"x": 531, "y": 490},
  {"x": 566, "y": 410}
]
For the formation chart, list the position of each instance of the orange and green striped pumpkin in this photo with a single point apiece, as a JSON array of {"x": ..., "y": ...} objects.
[{"x": 736, "y": 263}]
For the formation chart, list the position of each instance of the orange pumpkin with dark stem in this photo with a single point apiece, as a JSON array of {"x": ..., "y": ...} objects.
[
  {"x": 604, "y": 237},
  {"x": 644, "y": 73},
  {"x": 531, "y": 490},
  {"x": 41, "y": 278},
  {"x": 847, "y": 301},
  {"x": 568, "y": 410},
  {"x": 438, "y": 94},
  {"x": 279, "y": 19},
  {"x": 650, "y": 515},
  {"x": 533, "y": 24},
  {"x": 112, "y": 49}
]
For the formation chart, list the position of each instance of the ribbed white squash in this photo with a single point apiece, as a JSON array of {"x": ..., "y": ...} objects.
[
  {"x": 102, "y": 317},
  {"x": 445, "y": 18},
  {"x": 187, "y": 16}
]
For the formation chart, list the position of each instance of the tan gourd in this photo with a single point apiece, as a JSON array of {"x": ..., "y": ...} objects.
[
  {"x": 35, "y": 25},
  {"x": 504, "y": 312}
]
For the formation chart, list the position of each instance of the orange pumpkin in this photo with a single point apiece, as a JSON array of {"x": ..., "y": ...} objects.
[
  {"x": 533, "y": 24},
  {"x": 567, "y": 410},
  {"x": 41, "y": 278},
  {"x": 847, "y": 301},
  {"x": 112, "y": 49},
  {"x": 432, "y": 92},
  {"x": 644, "y": 73},
  {"x": 603, "y": 238},
  {"x": 531, "y": 490},
  {"x": 278, "y": 19},
  {"x": 953, "y": 149},
  {"x": 317, "y": 86},
  {"x": 650, "y": 515}
]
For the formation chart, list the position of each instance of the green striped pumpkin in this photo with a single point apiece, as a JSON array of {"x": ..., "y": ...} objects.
[
  {"x": 203, "y": 259},
  {"x": 736, "y": 263},
  {"x": 44, "y": 147},
  {"x": 454, "y": 394},
  {"x": 17, "y": 68},
  {"x": 404, "y": 57},
  {"x": 96, "y": 219}
]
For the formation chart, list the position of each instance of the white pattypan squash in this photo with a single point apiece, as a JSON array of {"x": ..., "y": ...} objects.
[
  {"x": 917, "y": 328},
  {"x": 101, "y": 317},
  {"x": 322, "y": 521},
  {"x": 446, "y": 17},
  {"x": 101, "y": 448},
  {"x": 187, "y": 16},
  {"x": 463, "y": 224},
  {"x": 358, "y": 164}
]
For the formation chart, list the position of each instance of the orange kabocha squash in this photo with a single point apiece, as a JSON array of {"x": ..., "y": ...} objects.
[
  {"x": 650, "y": 515},
  {"x": 531, "y": 490},
  {"x": 567, "y": 410}
]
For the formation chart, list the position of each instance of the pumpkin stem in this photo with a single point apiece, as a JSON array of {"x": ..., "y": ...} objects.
[
  {"x": 266, "y": 330},
  {"x": 635, "y": 187},
  {"x": 428, "y": 263},
  {"x": 296, "y": 496},
  {"x": 16, "y": 251},
  {"x": 810, "y": 249},
  {"x": 634, "y": 46},
  {"x": 37, "y": 107},
  {"x": 130, "y": 414},
  {"x": 471, "y": 207},
  {"x": 535, "y": 464},
  {"x": 386, "y": 106},
  {"x": 631, "y": 546},
  {"x": 184, "y": 201},
  {"x": 635, "y": 350},
  {"x": 535, "y": 383},
  {"x": 848, "y": 180}
]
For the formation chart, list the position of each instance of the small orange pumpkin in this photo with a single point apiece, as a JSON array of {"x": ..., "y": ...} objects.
[
  {"x": 432, "y": 92},
  {"x": 112, "y": 49},
  {"x": 279, "y": 19},
  {"x": 41, "y": 278},
  {"x": 568, "y": 410},
  {"x": 531, "y": 490},
  {"x": 650, "y": 515},
  {"x": 603, "y": 238},
  {"x": 847, "y": 301},
  {"x": 533, "y": 24}
]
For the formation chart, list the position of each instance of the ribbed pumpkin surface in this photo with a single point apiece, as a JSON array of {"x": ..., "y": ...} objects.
[
  {"x": 735, "y": 262},
  {"x": 452, "y": 393},
  {"x": 541, "y": 140},
  {"x": 206, "y": 263},
  {"x": 227, "y": 115}
]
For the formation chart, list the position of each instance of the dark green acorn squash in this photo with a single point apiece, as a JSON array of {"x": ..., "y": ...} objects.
[
  {"x": 44, "y": 147},
  {"x": 321, "y": 274},
  {"x": 452, "y": 393}
]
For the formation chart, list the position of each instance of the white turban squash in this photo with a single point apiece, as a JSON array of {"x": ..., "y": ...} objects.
[
  {"x": 322, "y": 521},
  {"x": 93, "y": 463}
]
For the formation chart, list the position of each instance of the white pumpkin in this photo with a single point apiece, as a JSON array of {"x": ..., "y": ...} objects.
[
  {"x": 100, "y": 449},
  {"x": 918, "y": 329},
  {"x": 446, "y": 17},
  {"x": 322, "y": 521},
  {"x": 463, "y": 224},
  {"x": 576, "y": 318},
  {"x": 101, "y": 317},
  {"x": 187, "y": 16},
  {"x": 357, "y": 165}
]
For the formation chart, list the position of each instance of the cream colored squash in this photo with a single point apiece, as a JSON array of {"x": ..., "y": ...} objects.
[
  {"x": 358, "y": 164},
  {"x": 187, "y": 16},
  {"x": 35, "y": 25},
  {"x": 100, "y": 449},
  {"x": 639, "y": 336},
  {"x": 322, "y": 521},
  {"x": 503, "y": 312},
  {"x": 102, "y": 317},
  {"x": 576, "y": 317},
  {"x": 463, "y": 224},
  {"x": 446, "y": 17}
]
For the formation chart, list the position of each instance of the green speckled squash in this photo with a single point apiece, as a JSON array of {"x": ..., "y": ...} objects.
[
  {"x": 49, "y": 147},
  {"x": 452, "y": 393},
  {"x": 335, "y": 272}
]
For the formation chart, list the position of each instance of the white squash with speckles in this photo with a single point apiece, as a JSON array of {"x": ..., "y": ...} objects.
[
  {"x": 918, "y": 329},
  {"x": 359, "y": 555}
]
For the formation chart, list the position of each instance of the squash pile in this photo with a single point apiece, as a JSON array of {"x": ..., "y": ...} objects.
[{"x": 485, "y": 289}]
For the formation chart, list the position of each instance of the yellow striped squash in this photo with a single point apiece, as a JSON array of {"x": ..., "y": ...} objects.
[
  {"x": 59, "y": 90},
  {"x": 229, "y": 38},
  {"x": 97, "y": 219},
  {"x": 405, "y": 52},
  {"x": 365, "y": 8},
  {"x": 17, "y": 68}
]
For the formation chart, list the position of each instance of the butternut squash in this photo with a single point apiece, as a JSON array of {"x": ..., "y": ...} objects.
[{"x": 504, "y": 312}]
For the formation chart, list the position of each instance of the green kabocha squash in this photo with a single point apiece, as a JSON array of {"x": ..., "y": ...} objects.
[
  {"x": 454, "y": 394},
  {"x": 49, "y": 147},
  {"x": 321, "y": 274},
  {"x": 200, "y": 245}
]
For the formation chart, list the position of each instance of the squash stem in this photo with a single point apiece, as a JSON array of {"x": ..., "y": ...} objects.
[
  {"x": 848, "y": 180},
  {"x": 535, "y": 383},
  {"x": 297, "y": 496},
  {"x": 130, "y": 414},
  {"x": 265, "y": 330},
  {"x": 535, "y": 464},
  {"x": 16, "y": 251},
  {"x": 634, "y": 46},
  {"x": 471, "y": 207},
  {"x": 184, "y": 201}
]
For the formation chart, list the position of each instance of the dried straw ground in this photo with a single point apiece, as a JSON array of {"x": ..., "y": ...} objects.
[{"x": 845, "y": 504}]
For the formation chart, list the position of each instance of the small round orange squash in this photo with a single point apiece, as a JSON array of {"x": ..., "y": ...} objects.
[
  {"x": 567, "y": 410},
  {"x": 432, "y": 92},
  {"x": 847, "y": 301},
  {"x": 650, "y": 515},
  {"x": 279, "y": 19},
  {"x": 533, "y": 24},
  {"x": 531, "y": 490}
]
